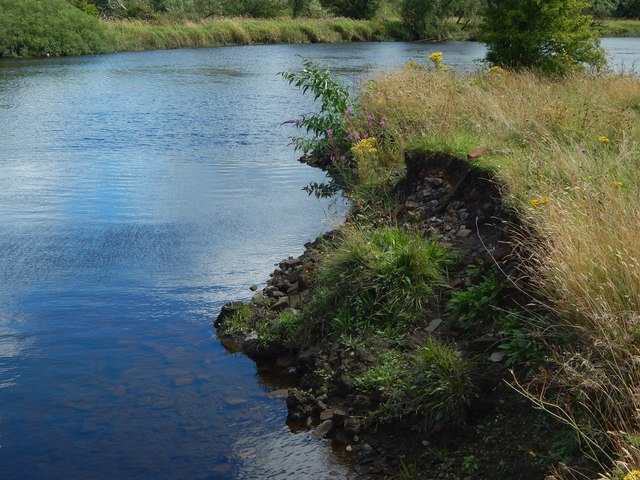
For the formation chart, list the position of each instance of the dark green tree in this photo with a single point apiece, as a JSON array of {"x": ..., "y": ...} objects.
[
  {"x": 428, "y": 18},
  {"x": 359, "y": 9},
  {"x": 628, "y": 9},
  {"x": 298, "y": 7},
  {"x": 552, "y": 36}
]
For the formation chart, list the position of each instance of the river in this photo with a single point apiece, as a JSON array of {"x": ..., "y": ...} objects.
[{"x": 138, "y": 193}]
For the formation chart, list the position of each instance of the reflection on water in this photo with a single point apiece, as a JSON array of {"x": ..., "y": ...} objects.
[{"x": 138, "y": 192}]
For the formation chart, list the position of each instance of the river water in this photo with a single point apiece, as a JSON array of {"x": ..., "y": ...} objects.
[{"x": 138, "y": 193}]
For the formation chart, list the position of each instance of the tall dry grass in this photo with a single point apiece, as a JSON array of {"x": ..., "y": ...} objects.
[{"x": 572, "y": 173}]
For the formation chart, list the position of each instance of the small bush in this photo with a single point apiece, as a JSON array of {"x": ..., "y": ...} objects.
[
  {"x": 554, "y": 36},
  {"x": 477, "y": 304},
  {"x": 31, "y": 28}
]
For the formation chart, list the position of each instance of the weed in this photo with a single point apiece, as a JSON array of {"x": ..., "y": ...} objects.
[
  {"x": 408, "y": 471},
  {"x": 442, "y": 388},
  {"x": 328, "y": 126},
  {"x": 240, "y": 320},
  {"x": 477, "y": 304},
  {"x": 470, "y": 464},
  {"x": 522, "y": 341}
]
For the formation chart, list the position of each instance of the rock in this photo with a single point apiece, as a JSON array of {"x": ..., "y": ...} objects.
[
  {"x": 250, "y": 342},
  {"x": 409, "y": 205},
  {"x": 498, "y": 356},
  {"x": 293, "y": 288},
  {"x": 330, "y": 413},
  {"x": 291, "y": 263},
  {"x": 281, "y": 304},
  {"x": 353, "y": 425},
  {"x": 282, "y": 393},
  {"x": 285, "y": 361},
  {"x": 293, "y": 275},
  {"x": 253, "y": 287},
  {"x": 270, "y": 290},
  {"x": 341, "y": 438},
  {"x": 500, "y": 151},
  {"x": 482, "y": 344},
  {"x": 295, "y": 300},
  {"x": 323, "y": 429},
  {"x": 464, "y": 233},
  {"x": 300, "y": 405},
  {"x": 434, "y": 324}
]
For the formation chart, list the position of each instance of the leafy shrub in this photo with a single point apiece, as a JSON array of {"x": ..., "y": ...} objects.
[
  {"x": 553, "y": 36},
  {"x": 521, "y": 340},
  {"x": 328, "y": 126},
  {"x": 477, "y": 304},
  {"x": 55, "y": 27},
  {"x": 378, "y": 278}
]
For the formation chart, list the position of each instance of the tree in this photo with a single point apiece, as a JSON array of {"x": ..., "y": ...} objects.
[
  {"x": 628, "y": 9},
  {"x": 553, "y": 36},
  {"x": 358, "y": 9},
  {"x": 428, "y": 18}
]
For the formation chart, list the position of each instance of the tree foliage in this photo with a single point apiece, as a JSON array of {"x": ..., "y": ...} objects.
[
  {"x": 359, "y": 9},
  {"x": 54, "y": 27},
  {"x": 553, "y": 36},
  {"x": 429, "y": 18}
]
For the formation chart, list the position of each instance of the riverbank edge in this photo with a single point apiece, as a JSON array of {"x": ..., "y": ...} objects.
[
  {"x": 328, "y": 401},
  {"x": 142, "y": 36},
  {"x": 114, "y": 36}
]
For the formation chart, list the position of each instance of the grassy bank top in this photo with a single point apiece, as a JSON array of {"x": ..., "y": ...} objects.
[{"x": 567, "y": 153}]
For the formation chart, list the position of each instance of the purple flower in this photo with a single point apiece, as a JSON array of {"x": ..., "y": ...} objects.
[
  {"x": 329, "y": 133},
  {"x": 349, "y": 112}
]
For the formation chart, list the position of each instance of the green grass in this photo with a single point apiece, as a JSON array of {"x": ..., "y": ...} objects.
[
  {"x": 433, "y": 383},
  {"x": 620, "y": 28},
  {"x": 378, "y": 278}
]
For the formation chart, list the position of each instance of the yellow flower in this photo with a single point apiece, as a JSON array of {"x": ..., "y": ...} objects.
[
  {"x": 618, "y": 184},
  {"x": 603, "y": 139},
  {"x": 444, "y": 68},
  {"x": 435, "y": 57},
  {"x": 364, "y": 146},
  {"x": 412, "y": 64},
  {"x": 632, "y": 475},
  {"x": 538, "y": 202},
  {"x": 496, "y": 69}
]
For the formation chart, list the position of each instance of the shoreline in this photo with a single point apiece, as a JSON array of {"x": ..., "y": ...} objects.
[{"x": 331, "y": 402}]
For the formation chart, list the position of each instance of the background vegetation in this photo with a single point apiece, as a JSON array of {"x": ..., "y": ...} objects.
[{"x": 72, "y": 27}]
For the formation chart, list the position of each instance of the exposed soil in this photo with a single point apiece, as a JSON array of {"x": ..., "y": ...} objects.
[{"x": 502, "y": 437}]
